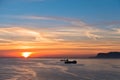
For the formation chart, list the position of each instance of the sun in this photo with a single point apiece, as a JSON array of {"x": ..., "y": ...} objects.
[{"x": 26, "y": 54}]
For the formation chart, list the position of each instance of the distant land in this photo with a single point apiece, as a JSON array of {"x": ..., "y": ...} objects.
[
  {"x": 114, "y": 55},
  {"x": 108, "y": 55}
]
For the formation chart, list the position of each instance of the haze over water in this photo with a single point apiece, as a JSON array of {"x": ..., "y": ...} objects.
[{"x": 53, "y": 69}]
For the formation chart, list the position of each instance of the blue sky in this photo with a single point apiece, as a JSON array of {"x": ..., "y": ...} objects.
[
  {"x": 91, "y": 11},
  {"x": 77, "y": 24}
]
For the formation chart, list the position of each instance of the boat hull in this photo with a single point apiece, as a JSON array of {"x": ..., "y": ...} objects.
[{"x": 70, "y": 62}]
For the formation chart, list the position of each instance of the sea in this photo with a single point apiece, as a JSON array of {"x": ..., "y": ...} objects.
[{"x": 54, "y": 69}]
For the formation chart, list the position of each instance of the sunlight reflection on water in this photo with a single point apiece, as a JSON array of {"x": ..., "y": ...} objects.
[{"x": 53, "y": 69}]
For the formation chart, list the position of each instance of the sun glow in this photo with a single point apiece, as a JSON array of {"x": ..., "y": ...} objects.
[{"x": 26, "y": 54}]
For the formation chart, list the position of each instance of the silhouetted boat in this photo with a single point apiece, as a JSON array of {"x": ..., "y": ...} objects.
[
  {"x": 71, "y": 62},
  {"x": 66, "y": 61}
]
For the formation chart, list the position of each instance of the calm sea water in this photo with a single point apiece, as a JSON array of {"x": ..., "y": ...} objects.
[{"x": 53, "y": 69}]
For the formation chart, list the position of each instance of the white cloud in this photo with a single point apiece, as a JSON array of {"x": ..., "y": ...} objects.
[
  {"x": 116, "y": 30},
  {"x": 17, "y": 33},
  {"x": 75, "y": 22},
  {"x": 92, "y": 33},
  {"x": 77, "y": 29},
  {"x": 77, "y": 25}
]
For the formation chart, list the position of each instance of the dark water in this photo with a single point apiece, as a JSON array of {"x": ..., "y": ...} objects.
[{"x": 53, "y": 69}]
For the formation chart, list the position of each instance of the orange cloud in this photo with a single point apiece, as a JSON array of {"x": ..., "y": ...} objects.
[{"x": 77, "y": 38}]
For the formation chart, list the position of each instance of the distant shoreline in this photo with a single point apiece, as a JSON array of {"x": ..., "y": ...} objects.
[{"x": 109, "y": 55}]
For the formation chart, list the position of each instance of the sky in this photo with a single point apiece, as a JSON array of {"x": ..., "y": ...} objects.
[{"x": 59, "y": 28}]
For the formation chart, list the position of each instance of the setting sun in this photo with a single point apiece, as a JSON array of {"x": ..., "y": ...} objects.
[{"x": 26, "y": 54}]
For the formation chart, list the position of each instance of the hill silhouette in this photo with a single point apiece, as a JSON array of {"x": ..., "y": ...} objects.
[{"x": 108, "y": 55}]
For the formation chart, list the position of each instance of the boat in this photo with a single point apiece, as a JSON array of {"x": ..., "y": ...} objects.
[
  {"x": 71, "y": 62},
  {"x": 67, "y": 61}
]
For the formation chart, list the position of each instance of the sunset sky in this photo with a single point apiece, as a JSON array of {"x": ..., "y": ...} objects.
[{"x": 59, "y": 28}]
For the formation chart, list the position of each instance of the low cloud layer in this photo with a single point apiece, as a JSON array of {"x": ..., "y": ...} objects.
[{"x": 78, "y": 34}]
